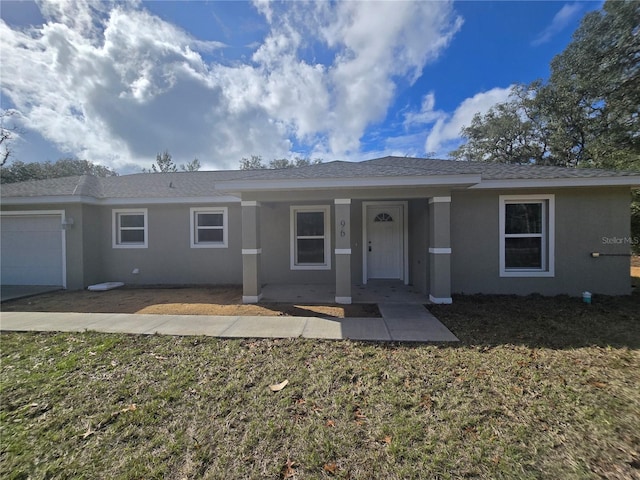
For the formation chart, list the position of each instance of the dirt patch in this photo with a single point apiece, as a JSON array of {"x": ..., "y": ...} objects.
[{"x": 178, "y": 301}]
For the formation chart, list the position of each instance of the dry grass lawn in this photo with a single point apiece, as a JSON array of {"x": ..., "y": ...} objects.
[
  {"x": 537, "y": 388},
  {"x": 177, "y": 301}
]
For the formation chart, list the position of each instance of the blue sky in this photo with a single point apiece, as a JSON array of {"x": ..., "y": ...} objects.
[{"x": 117, "y": 82}]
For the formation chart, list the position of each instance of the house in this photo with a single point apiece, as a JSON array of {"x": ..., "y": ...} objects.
[{"x": 441, "y": 226}]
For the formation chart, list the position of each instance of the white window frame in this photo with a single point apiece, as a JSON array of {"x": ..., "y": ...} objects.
[
  {"x": 326, "y": 211},
  {"x": 548, "y": 235},
  {"x": 116, "y": 229},
  {"x": 194, "y": 212}
]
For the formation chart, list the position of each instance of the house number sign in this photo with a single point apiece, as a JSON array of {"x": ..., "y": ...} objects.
[{"x": 342, "y": 224}]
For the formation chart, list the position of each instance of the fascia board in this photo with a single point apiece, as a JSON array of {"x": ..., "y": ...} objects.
[
  {"x": 628, "y": 181},
  {"x": 364, "y": 182},
  {"x": 68, "y": 199}
]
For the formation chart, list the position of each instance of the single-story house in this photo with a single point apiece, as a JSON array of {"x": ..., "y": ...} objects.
[{"x": 442, "y": 226}]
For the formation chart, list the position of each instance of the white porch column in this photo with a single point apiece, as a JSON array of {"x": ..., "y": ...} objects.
[
  {"x": 251, "y": 252},
  {"x": 440, "y": 249},
  {"x": 343, "y": 250}
]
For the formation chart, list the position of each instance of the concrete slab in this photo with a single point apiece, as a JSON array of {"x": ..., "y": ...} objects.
[
  {"x": 399, "y": 323},
  {"x": 45, "y": 321},
  {"x": 196, "y": 325},
  {"x": 373, "y": 329},
  {"x": 14, "y": 292},
  {"x": 266, "y": 327},
  {"x": 414, "y": 323},
  {"x": 325, "y": 328},
  {"x": 127, "y": 323}
]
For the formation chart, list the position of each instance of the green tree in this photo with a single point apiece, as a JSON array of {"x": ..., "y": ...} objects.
[
  {"x": 18, "y": 171},
  {"x": 192, "y": 166},
  {"x": 587, "y": 114},
  {"x": 164, "y": 164},
  {"x": 255, "y": 163},
  {"x": 252, "y": 163}
]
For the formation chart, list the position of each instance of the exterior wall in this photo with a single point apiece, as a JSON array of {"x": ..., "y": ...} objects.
[
  {"x": 275, "y": 234},
  {"x": 356, "y": 242},
  {"x": 93, "y": 243},
  {"x": 418, "y": 244},
  {"x": 75, "y": 248},
  {"x": 169, "y": 258},
  {"x": 582, "y": 218}
]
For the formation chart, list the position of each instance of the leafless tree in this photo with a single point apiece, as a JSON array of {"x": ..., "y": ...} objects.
[{"x": 8, "y": 132}]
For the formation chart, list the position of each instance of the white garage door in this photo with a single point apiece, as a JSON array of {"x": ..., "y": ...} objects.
[{"x": 32, "y": 251}]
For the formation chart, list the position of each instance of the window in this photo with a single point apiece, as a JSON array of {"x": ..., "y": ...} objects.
[
  {"x": 310, "y": 238},
  {"x": 383, "y": 217},
  {"x": 130, "y": 228},
  {"x": 209, "y": 227},
  {"x": 527, "y": 236}
]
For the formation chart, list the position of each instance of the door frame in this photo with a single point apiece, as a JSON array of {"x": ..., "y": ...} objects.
[
  {"x": 404, "y": 232},
  {"x": 47, "y": 213}
]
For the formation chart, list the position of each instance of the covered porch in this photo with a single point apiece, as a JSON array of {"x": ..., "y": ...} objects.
[
  {"x": 345, "y": 240},
  {"x": 347, "y": 250}
]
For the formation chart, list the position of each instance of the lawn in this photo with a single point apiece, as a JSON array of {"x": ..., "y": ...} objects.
[{"x": 537, "y": 388}]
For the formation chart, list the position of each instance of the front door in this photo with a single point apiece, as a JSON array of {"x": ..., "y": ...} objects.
[{"x": 384, "y": 241}]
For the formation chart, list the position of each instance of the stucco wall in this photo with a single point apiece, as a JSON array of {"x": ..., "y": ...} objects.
[
  {"x": 582, "y": 218},
  {"x": 169, "y": 258},
  {"x": 93, "y": 245},
  {"x": 418, "y": 244},
  {"x": 275, "y": 237}
]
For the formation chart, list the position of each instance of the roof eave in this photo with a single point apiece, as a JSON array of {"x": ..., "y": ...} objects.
[
  {"x": 68, "y": 199},
  {"x": 621, "y": 181},
  {"x": 460, "y": 180}
]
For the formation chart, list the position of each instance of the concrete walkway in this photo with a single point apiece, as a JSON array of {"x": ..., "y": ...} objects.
[{"x": 404, "y": 323}]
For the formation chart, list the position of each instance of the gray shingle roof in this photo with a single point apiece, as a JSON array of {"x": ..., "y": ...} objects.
[{"x": 204, "y": 184}]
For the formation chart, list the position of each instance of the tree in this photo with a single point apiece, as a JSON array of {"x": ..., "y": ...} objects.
[
  {"x": 164, "y": 164},
  {"x": 587, "y": 114},
  {"x": 192, "y": 166},
  {"x": 255, "y": 163},
  {"x": 8, "y": 132},
  {"x": 65, "y": 167},
  {"x": 508, "y": 133}
]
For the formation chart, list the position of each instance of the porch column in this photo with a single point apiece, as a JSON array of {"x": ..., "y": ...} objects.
[
  {"x": 251, "y": 252},
  {"x": 440, "y": 249},
  {"x": 343, "y": 250}
]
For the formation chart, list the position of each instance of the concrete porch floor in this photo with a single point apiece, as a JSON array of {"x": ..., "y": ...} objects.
[{"x": 375, "y": 291}]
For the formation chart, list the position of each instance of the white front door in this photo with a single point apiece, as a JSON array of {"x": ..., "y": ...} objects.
[{"x": 384, "y": 248}]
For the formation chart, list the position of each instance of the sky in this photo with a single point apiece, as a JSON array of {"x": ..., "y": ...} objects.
[{"x": 118, "y": 82}]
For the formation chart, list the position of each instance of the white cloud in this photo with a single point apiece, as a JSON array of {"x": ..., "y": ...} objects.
[
  {"x": 112, "y": 83},
  {"x": 445, "y": 134},
  {"x": 560, "y": 21},
  {"x": 427, "y": 113}
]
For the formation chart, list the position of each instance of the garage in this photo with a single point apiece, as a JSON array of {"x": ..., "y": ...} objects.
[{"x": 32, "y": 248}]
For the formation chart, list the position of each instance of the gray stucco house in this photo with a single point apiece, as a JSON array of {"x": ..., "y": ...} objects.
[{"x": 442, "y": 226}]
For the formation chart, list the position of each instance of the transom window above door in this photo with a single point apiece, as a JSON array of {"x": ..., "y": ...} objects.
[{"x": 383, "y": 217}]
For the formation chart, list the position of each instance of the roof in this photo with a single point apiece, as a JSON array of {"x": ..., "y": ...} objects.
[{"x": 402, "y": 169}]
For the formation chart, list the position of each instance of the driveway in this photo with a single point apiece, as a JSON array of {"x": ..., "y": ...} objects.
[{"x": 13, "y": 292}]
